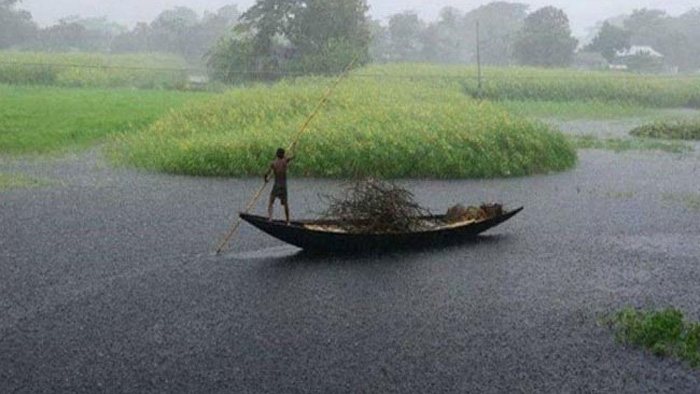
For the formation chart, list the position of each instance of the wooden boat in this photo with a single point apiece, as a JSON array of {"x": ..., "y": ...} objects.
[{"x": 326, "y": 236}]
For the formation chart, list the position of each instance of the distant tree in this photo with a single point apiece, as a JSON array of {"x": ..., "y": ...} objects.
[
  {"x": 181, "y": 31},
  {"x": 233, "y": 60},
  {"x": 16, "y": 26},
  {"x": 546, "y": 39},
  {"x": 647, "y": 27},
  {"x": 307, "y": 36},
  {"x": 96, "y": 36},
  {"x": 327, "y": 34},
  {"x": 433, "y": 49},
  {"x": 500, "y": 23},
  {"x": 80, "y": 34},
  {"x": 444, "y": 41},
  {"x": 662, "y": 32},
  {"x": 139, "y": 39},
  {"x": 688, "y": 25},
  {"x": 380, "y": 48},
  {"x": 173, "y": 31},
  {"x": 405, "y": 36},
  {"x": 66, "y": 35},
  {"x": 609, "y": 41},
  {"x": 213, "y": 26}
]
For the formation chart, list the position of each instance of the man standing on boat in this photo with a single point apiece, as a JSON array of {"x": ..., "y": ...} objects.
[{"x": 279, "y": 168}]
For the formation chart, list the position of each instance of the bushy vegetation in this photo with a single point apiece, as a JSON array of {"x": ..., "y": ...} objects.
[
  {"x": 685, "y": 130},
  {"x": 664, "y": 333},
  {"x": 93, "y": 70},
  {"x": 48, "y": 119},
  {"x": 371, "y": 126}
]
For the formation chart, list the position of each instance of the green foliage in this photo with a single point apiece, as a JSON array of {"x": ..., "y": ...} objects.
[
  {"x": 372, "y": 126},
  {"x": 230, "y": 60},
  {"x": 500, "y": 23},
  {"x": 41, "y": 119},
  {"x": 621, "y": 145},
  {"x": 146, "y": 71},
  {"x": 277, "y": 37},
  {"x": 452, "y": 38},
  {"x": 691, "y": 348},
  {"x": 677, "y": 38},
  {"x": 664, "y": 333},
  {"x": 333, "y": 58},
  {"x": 546, "y": 39},
  {"x": 683, "y": 130},
  {"x": 687, "y": 54},
  {"x": 404, "y": 33},
  {"x": 609, "y": 40},
  {"x": 16, "y": 26}
]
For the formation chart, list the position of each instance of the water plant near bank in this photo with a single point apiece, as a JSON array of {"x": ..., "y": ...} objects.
[
  {"x": 587, "y": 141},
  {"x": 679, "y": 130},
  {"x": 664, "y": 333}
]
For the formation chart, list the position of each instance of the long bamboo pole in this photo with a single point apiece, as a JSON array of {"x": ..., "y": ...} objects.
[{"x": 298, "y": 136}]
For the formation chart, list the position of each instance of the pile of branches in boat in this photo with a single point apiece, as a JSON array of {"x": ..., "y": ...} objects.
[{"x": 374, "y": 206}]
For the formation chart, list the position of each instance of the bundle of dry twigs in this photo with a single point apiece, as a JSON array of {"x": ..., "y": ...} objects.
[{"x": 373, "y": 206}]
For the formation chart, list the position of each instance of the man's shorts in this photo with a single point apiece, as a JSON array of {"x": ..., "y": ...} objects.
[{"x": 279, "y": 192}]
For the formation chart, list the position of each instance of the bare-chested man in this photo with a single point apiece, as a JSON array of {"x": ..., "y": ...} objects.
[{"x": 278, "y": 168}]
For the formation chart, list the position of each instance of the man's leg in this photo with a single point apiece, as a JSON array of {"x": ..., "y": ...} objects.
[
  {"x": 270, "y": 205},
  {"x": 286, "y": 210}
]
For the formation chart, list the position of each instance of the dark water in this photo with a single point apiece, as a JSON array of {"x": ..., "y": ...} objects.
[{"x": 108, "y": 282}]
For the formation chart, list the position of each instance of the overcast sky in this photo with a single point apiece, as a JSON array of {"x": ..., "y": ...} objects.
[{"x": 582, "y": 13}]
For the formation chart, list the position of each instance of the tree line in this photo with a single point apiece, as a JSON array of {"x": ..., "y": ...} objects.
[
  {"x": 282, "y": 37},
  {"x": 511, "y": 35},
  {"x": 179, "y": 30}
]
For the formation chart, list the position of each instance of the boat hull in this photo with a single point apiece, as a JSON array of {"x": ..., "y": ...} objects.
[{"x": 299, "y": 235}]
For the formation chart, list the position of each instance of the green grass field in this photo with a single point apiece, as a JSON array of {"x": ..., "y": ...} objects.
[
  {"x": 557, "y": 85},
  {"x": 47, "y": 119},
  {"x": 146, "y": 71}
]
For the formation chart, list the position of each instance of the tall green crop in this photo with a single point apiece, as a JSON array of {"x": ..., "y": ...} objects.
[{"x": 370, "y": 126}]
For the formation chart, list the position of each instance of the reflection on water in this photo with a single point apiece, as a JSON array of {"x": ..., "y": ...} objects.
[
  {"x": 277, "y": 252},
  {"x": 287, "y": 254}
]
